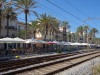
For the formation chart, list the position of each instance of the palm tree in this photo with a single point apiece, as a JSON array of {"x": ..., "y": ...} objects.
[
  {"x": 1, "y": 2},
  {"x": 25, "y": 6},
  {"x": 21, "y": 33},
  {"x": 73, "y": 37},
  {"x": 80, "y": 33},
  {"x": 32, "y": 28},
  {"x": 69, "y": 37},
  {"x": 9, "y": 14},
  {"x": 44, "y": 22},
  {"x": 93, "y": 31},
  {"x": 53, "y": 28},
  {"x": 65, "y": 26},
  {"x": 86, "y": 28},
  {"x": 48, "y": 25}
]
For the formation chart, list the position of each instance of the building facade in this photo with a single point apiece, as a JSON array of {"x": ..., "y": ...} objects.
[{"x": 12, "y": 28}]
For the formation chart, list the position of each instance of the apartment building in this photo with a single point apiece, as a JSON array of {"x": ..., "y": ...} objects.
[{"x": 12, "y": 28}]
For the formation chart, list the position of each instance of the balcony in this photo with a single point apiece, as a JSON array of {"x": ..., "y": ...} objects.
[{"x": 11, "y": 27}]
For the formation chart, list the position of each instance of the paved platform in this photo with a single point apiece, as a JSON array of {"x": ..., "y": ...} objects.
[{"x": 8, "y": 58}]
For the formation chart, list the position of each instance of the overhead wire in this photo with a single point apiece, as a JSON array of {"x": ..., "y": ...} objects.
[
  {"x": 58, "y": 14},
  {"x": 84, "y": 14},
  {"x": 64, "y": 10},
  {"x": 52, "y": 11},
  {"x": 21, "y": 18},
  {"x": 66, "y": 1}
]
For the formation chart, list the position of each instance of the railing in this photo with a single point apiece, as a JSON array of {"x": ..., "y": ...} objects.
[{"x": 11, "y": 27}]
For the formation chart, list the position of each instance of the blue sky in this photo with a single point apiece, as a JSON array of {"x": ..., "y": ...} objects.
[{"x": 79, "y": 8}]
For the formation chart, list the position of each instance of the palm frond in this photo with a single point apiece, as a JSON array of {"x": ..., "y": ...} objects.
[{"x": 36, "y": 14}]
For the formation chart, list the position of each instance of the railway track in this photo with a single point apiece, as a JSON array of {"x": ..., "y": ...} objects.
[
  {"x": 47, "y": 66},
  {"x": 7, "y": 65}
]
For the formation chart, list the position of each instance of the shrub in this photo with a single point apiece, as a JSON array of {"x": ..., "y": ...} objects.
[{"x": 59, "y": 51}]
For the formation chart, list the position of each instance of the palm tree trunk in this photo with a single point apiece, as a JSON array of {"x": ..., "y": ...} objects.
[
  {"x": 34, "y": 32},
  {"x": 86, "y": 37},
  {"x": 0, "y": 22},
  {"x": 93, "y": 38},
  {"x": 18, "y": 31},
  {"x": 78, "y": 37},
  {"x": 64, "y": 33},
  {"x": 46, "y": 32},
  {"x": 81, "y": 37},
  {"x": 7, "y": 25},
  {"x": 25, "y": 25}
]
